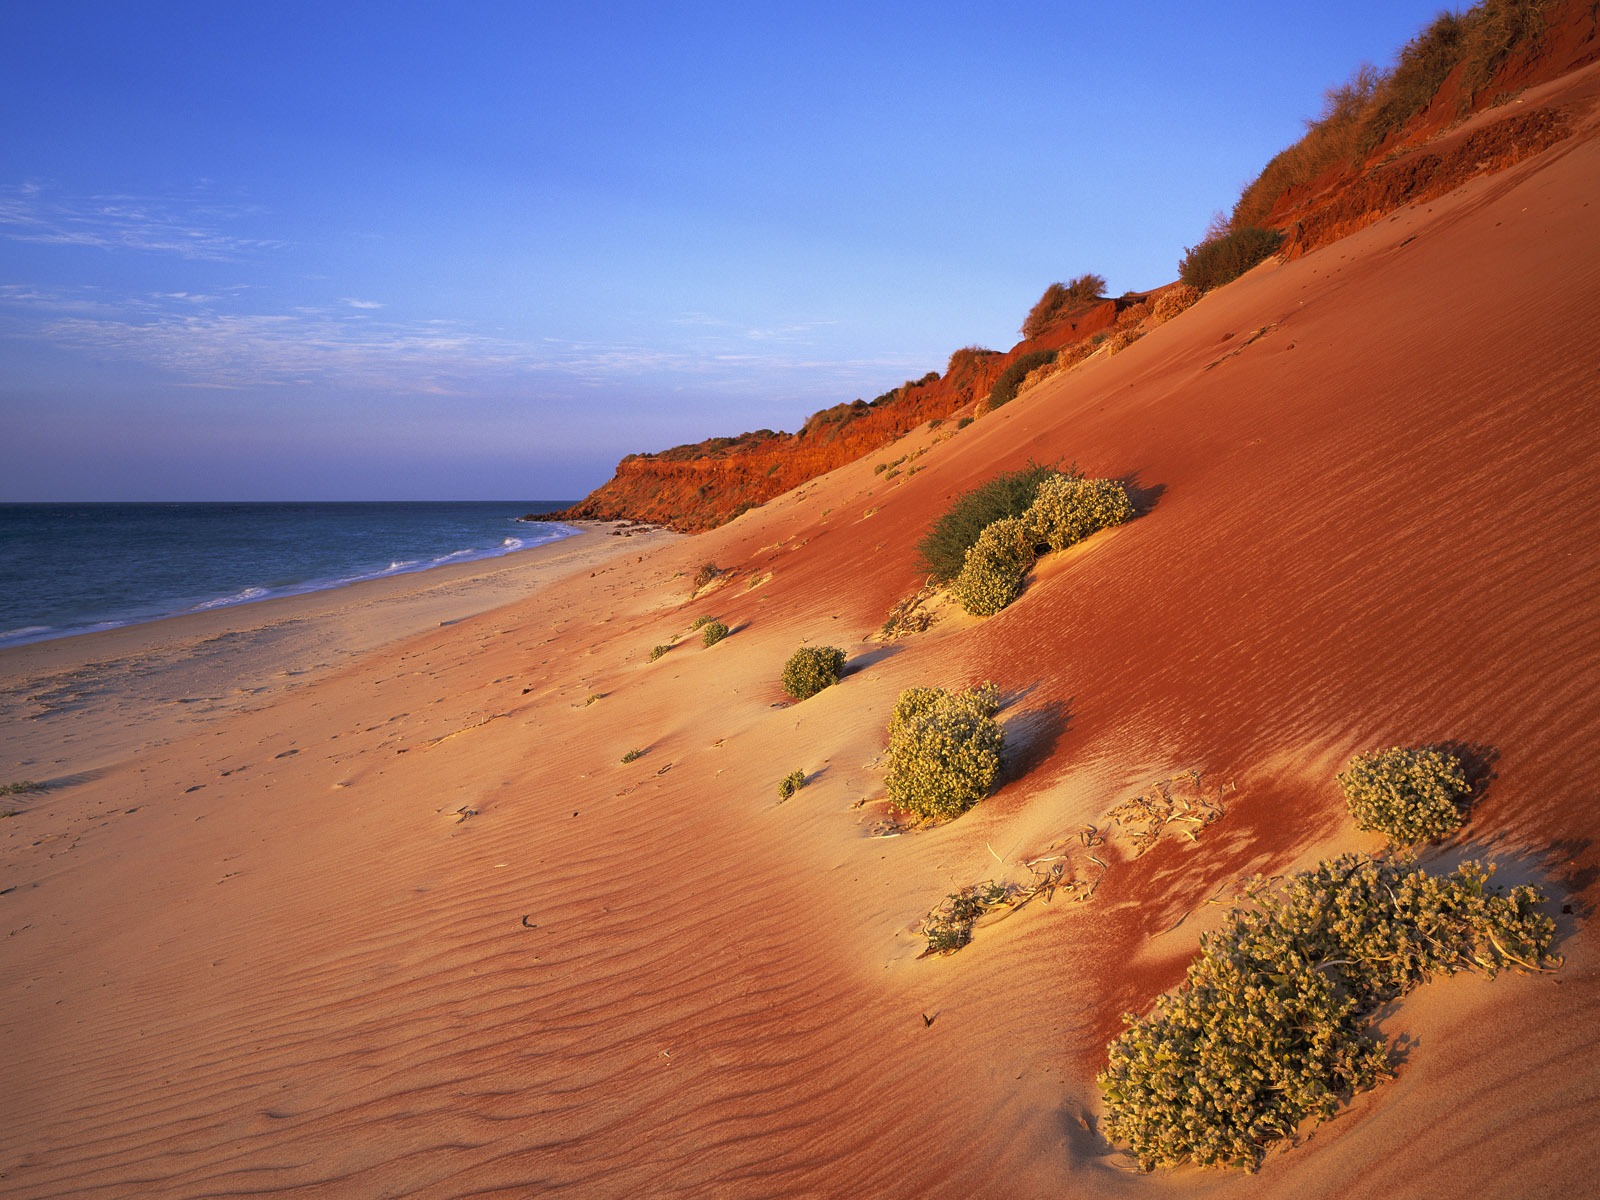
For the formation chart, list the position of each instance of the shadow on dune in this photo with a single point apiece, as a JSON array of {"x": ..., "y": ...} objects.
[
  {"x": 869, "y": 658},
  {"x": 1143, "y": 498},
  {"x": 1031, "y": 738}
]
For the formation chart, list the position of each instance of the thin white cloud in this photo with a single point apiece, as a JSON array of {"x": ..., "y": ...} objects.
[
  {"x": 189, "y": 226},
  {"x": 206, "y": 342},
  {"x": 354, "y": 303}
]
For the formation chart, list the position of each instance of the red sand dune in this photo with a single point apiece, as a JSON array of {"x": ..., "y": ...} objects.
[{"x": 1372, "y": 515}]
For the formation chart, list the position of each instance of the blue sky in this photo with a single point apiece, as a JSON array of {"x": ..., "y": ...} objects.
[{"x": 482, "y": 250}]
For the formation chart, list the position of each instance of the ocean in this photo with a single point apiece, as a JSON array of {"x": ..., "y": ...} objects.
[{"x": 74, "y": 568}]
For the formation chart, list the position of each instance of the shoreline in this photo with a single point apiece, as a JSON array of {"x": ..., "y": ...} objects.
[
  {"x": 166, "y": 674},
  {"x": 244, "y": 594}
]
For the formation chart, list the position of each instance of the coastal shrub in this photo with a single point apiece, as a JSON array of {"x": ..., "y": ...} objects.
[
  {"x": 1068, "y": 508},
  {"x": 713, "y": 632},
  {"x": 812, "y": 668},
  {"x": 1492, "y": 31},
  {"x": 944, "y": 750},
  {"x": 1060, "y": 300},
  {"x": 1273, "y": 1022},
  {"x": 790, "y": 784},
  {"x": 995, "y": 567},
  {"x": 657, "y": 651},
  {"x": 20, "y": 788},
  {"x": 699, "y": 623},
  {"x": 706, "y": 573},
  {"x": 1329, "y": 140},
  {"x": 1223, "y": 259},
  {"x": 632, "y": 756},
  {"x": 944, "y": 547},
  {"x": 1423, "y": 64},
  {"x": 1411, "y": 795},
  {"x": 949, "y": 927},
  {"x": 963, "y": 423},
  {"x": 1010, "y": 382}
]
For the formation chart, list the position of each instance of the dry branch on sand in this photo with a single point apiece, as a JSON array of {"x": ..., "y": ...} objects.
[{"x": 1179, "y": 802}]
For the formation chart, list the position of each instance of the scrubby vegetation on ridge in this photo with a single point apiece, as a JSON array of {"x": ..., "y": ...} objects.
[
  {"x": 1060, "y": 300},
  {"x": 1272, "y": 1023},
  {"x": 1328, "y": 184},
  {"x": 1006, "y": 387},
  {"x": 713, "y": 632},
  {"x": 1361, "y": 114},
  {"x": 1223, "y": 258}
]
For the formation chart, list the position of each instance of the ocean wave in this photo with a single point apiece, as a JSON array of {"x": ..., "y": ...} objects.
[
  {"x": 26, "y": 633},
  {"x": 282, "y": 569},
  {"x": 241, "y": 597}
]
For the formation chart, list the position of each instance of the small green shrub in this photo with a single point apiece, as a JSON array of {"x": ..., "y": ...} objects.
[
  {"x": 1010, "y": 382},
  {"x": 944, "y": 547},
  {"x": 812, "y": 668},
  {"x": 1410, "y": 795},
  {"x": 699, "y": 623},
  {"x": 1068, "y": 508},
  {"x": 593, "y": 696},
  {"x": 790, "y": 784},
  {"x": 995, "y": 567},
  {"x": 713, "y": 632},
  {"x": 1223, "y": 259},
  {"x": 632, "y": 756},
  {"x": 705, "y": 575},
  {"x": 949, "y": 927},
  {"x": 944, "y": 750},
  {"x": 1271, "y": 1026},
  {"x": 1060, "y": 300},
  {"x": 963, "y": 423},
  {"x": 657, "y": 651},
  {"x": 20, "y": 788}
]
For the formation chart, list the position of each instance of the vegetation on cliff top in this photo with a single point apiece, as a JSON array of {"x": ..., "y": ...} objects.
[{"x": 1361, "y": 115}]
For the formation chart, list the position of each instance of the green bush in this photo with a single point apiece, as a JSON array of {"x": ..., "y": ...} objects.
[
  {"x": 706, "y": 573},
  {"x": 812, "y": 668},
  {"x": 1223, "y": 259},
  {"x": 1411, "y": 795},
  {"x": 944, "y": 547},
  {"x": 1068, "y": 508},
  {"x": 1492, "y": 31},
  {"x": 657, "y": 651},
  {"x": 1006, "y": 387},
  {"x": 633, "y": 756},
  {"x": 1407, "y": 90},
  {"x": 790, "y": 784},
  {"x": 949, "y": 926},
  {"x": 699, "y": 623},
  {"x": 1060, "y": 300},
  {"x": 998, "y": 562},
  {"x": 944, "y": 750},
  {"x": 1271, "y": 1025},
  {"x": 713, "y": 632}
]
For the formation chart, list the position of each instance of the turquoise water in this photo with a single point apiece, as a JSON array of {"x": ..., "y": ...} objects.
[{"x": 73, "y": 568}]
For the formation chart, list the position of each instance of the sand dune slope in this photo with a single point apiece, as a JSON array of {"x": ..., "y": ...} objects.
[{"x": 414, "y": 928}]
